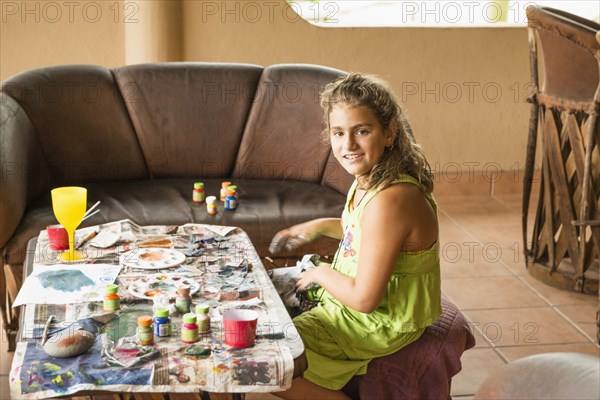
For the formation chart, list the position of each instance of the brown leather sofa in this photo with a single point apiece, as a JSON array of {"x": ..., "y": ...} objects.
[{"x": 138, "y": 137}]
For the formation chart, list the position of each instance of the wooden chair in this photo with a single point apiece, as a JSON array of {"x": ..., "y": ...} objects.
[{"x": 565, "y": 71}]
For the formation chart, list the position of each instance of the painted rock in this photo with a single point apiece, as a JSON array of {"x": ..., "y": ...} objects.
[
  {"x": 105, "y": 239},
  {"x": 69, "y": 344}
]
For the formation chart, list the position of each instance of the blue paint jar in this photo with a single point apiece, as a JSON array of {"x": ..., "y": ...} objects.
[
  {"x": 162, "y": 322},
  {"x": 230, "y": 201}
]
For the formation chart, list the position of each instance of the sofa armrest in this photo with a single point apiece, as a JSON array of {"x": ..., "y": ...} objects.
[{"x": 23, "y": 167}]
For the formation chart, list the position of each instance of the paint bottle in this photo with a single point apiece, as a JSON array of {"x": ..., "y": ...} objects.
[
  {"x": 112, "y": 301},
  {"x": 211, "y": 205},
  {"x": 198, "y": 195},
  {"x": 189, "y": 329},
  {"x": 183, "y": 300},
  {"x": 235, "y": 190},
  {"x": 224, "y": 189},
  {"x": 230, "y": 201},
  {"x": 145, "y": 333},
  {"x": 202, "y": 318},
  {"x": 162, "y": 322}
]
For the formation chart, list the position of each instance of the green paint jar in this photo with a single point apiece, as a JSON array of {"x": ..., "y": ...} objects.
[
  {"x": 145, "y": 333},
  {"x": 112, "y": 301},
  {"x": 189, "y": 329},
  {"x": 202, "y": 318},
  {"x": 198, "y": 195}
]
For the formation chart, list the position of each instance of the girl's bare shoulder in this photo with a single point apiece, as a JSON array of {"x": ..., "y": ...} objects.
[{"x": 404, "y": 194}]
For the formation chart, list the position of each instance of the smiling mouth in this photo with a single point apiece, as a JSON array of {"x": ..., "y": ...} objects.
[{"x": 352, "y": 157}]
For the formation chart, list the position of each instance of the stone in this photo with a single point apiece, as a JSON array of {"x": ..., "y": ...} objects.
[{"x": 69, "y": 344}]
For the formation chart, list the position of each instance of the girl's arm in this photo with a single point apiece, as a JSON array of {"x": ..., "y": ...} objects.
[
  {"x": 397, "y": 219},
  {"x": 306, "y": 232}
]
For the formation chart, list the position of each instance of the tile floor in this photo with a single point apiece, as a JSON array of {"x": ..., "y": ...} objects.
[
  {"x": 484, "y": 273},
  {"x": 514, "y": 315}
]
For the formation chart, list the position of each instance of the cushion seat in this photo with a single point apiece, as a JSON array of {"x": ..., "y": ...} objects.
[
  {"x": 421, "y": 370},
  {"x": 264, "y": 207}
]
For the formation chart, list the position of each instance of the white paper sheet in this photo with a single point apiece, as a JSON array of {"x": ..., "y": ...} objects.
[{"x": 64, "y": 284}]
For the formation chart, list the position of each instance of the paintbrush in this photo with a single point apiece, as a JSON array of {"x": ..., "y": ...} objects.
[
  {"x": 46, "y": 327},
  {"x": 86, "y": 239},
  {"x": 91, "y": 208}
]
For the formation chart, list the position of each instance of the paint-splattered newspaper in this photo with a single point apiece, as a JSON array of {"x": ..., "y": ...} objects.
[{"x": 229, "y": 273}]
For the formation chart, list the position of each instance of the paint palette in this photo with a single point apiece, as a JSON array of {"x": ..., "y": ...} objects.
[
  {"x": 150, "y": 286},
  {"x": 151, "y": 258}
]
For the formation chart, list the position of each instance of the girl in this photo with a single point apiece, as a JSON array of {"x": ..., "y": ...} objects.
[{"x": 383, "y": 287}]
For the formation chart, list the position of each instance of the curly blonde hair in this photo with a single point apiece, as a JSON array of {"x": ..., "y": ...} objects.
[{"x": 404, "y": 156}]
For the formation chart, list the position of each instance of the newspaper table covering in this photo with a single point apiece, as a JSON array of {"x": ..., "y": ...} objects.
[{"x": 223, "y": 264}]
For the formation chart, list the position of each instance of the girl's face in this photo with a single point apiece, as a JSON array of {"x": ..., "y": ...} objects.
[{"x": 357, "y": 138}]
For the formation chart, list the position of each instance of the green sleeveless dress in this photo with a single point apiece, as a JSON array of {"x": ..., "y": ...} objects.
[{"x": 340, "y": 341}]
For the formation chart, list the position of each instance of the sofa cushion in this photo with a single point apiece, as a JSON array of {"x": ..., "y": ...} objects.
[
  {"x": 81, "y": 123},
  {"x": 22, "y": 163},
  {"x": 189, "y": 117},
  {"x": 282, "y": 138},
  {"x": 265, "y": 206}
]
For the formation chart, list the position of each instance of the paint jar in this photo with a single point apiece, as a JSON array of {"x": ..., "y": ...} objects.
[
  {"x": 198, "y": 194},
  {"x": 235, "y": 190},
  {"x": 211, "y": 205},
  {"x": 202, "y": 318},
  {"x": 145, "y": 333},
  {"x": 223, "y": 192},
  {"x": 189, "y": 329},
  {"x": 112, "y": 301},
  {"x": 230, "y": 201},
  {"x": 183, "y": 300},
  {"x": 162, "y": 322}
]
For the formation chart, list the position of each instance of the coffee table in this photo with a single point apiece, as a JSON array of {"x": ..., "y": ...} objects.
[{"x": 231, "y": 275}]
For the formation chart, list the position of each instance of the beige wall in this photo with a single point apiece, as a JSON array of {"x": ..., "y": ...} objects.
[
  {"x": 464, "y": 89},
  {"x": 459, "y": 84},
  {"x": 155, "y": 31},
  {"x": 41, "y": 33}
]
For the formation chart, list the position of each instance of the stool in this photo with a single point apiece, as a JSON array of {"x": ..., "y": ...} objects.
[{"x": 421, "y": 370}]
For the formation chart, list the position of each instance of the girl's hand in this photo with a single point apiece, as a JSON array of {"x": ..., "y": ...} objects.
[
  {"x": 292, "y": 238},
  {"x": 308, "y": 279}
]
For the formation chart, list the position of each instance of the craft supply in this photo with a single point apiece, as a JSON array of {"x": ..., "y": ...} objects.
[
  {"x": 162, "y": 300},
  {"x": 90, "y": 215},
  {"x": 239, "y": 327},
  {"x": 230, "y": 201},
  {"x": 183, "y": 300},
  {"x": 197, "y": 351},
  {"x": 235, "y": 190},
  {"x": 152, "y": 258},
  {"x": 96, "y": 204},
  {"x": 46, "y": 327},
  {"x": 189, "y": 329},
  {"x": 58, "y": 237},
  {"x": 112, "y": 301},
  {"x": 150, "y": 286},
  {"x": 211, "y": 205},
  {"x": 69, "y": 344},
  {"x": 198, "y": 194},
  {"x": 162, "y": 322},
  {"x": 86, "y": 239},
  {"x": 224, "y": 189},
  {"x": 202, "y": 318},
  {"x": 105, "y": 239},
  {"x": 145, "y": 333}
]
